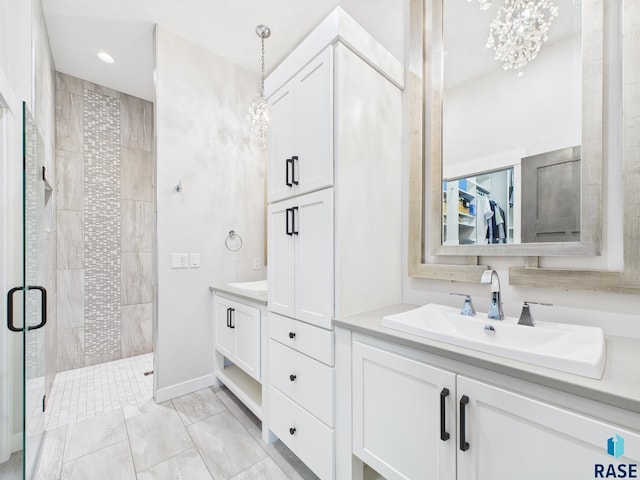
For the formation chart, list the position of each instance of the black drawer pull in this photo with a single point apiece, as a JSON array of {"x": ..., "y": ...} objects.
[
  {"x": 292, "y": 335},
  {"x": 231, "y": 324},
  {"x": 293, "y": 377},
  {"x": 444, "y": 435},
  {"x": 293, "y": 221},
  {"x": 288, "y": 162},
  {"x": 464, "y": 445},
  {"x": 292, "y": 431},
  {"x": 228, "y": 317},
  {"x": 293, "y": 169},
  {"x": 288, "y": 229}
]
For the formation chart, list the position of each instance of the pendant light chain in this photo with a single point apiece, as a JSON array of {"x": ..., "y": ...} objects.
[
  {"x": 262, "y": 58},
  {"x": 258, "y": 115}
]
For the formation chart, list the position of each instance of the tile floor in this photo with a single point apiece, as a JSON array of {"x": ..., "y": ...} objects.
[
  {"x": 12, "y": 468},
  {"x": 204, "y": 435},
  {"x": 103, "y": 424},
  {"x": 86, "y": 392}
]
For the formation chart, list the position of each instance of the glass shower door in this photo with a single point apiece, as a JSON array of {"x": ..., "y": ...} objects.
[{"x": 34, "y": 294}]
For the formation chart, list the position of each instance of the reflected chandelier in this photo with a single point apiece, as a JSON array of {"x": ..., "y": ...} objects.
[
  {"x": 518, "y": 31},
  {"x": 484, "y": 4},
  {"x": 258, "y": 114}
]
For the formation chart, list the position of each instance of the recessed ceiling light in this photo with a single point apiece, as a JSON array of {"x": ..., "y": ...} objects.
[{"x": 105, "y": 57}]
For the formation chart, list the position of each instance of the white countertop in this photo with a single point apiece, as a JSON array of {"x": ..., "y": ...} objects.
[
  {"x": 260, "y": 298},
  {"x": 619, "y": 385}
]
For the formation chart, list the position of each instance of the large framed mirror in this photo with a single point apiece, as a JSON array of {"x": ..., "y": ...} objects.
[
  {"x": 515, "y": 133},
  {"x": 579, "y": 159}
]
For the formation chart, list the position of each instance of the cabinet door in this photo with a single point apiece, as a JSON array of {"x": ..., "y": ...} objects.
[
  {"x": 397, "y": 415},
  {"x": 512, "y": 436},
  {"x": 281, "y": 143},
  {"x": 246, "y": 325},
  {"x": 224, "y": 334},
  {"x": 314, "y": 258},
  {"x": 281, "y": 258},
  {"x": 314, "y": 123}
]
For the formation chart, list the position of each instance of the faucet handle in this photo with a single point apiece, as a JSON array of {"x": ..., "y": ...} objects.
[
  {"x": 527, "y": 302},
  {"x": 467, "y": 308},
  {"x": 525, "y": 316}
]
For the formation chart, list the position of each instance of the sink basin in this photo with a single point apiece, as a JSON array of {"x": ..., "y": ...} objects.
[
  {"x": 256, "y": 288},
  {"x": 574, "y": 349}
]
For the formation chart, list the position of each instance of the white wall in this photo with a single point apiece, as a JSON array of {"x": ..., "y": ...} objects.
[
  {"x": 618, "y": 314},
  {"x": 203, "y": 141},
  {"x": 544, "y": 101}
]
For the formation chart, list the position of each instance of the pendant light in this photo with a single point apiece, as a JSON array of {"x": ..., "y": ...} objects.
[{"x": 258, "y": 115}]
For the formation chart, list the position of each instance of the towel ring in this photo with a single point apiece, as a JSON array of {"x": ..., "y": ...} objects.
[{"x": 233, "y": 241}]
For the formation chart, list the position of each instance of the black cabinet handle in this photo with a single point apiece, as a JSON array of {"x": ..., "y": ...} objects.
[
  {"x": 293, "y": 377},
  {"x": 294, "y": 159},
  {"x": 293, "y": 221},
  {"x": 292, "y": 431},
  {"x": 464, "y": 445},
  {"x": 444, "y": 435},
  {"x": 292, "y": 335},
  {"x": 288, "y": 229},
  {"x": 288, "y": 162},
  {"x": 231, "y": 324},
  {"x": 43, "y": 308},
  {"x": 228, "y": 317}
]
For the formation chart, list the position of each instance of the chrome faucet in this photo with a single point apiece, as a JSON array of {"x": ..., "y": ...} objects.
[
  {"x": 467, "y": 308},
  {"x": 490, "y": 277},
  {"x": 525, "y": 316}
]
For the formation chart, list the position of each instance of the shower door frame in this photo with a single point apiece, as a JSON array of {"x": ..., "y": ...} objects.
[{"x": 8, "y": 269}]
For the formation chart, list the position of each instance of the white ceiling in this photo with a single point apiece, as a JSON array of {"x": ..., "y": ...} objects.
[{"x": 79, "y": 29}]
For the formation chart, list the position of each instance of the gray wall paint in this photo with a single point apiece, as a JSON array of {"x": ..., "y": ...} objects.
[{"x": 105, "y": 223}]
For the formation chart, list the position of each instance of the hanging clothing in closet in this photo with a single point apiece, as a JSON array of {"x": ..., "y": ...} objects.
[{"x": 496, "y": 224}]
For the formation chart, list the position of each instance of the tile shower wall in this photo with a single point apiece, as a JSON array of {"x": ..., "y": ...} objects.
[{"x": 105, "y": 223}]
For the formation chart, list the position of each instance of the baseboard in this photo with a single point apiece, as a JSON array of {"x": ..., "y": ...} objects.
[
  {"x": 179, "y": 389},
  {"x": 16, "y": 442}
]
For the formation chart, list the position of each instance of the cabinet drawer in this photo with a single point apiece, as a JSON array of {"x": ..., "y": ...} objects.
[
  {"x": 313, "y": 341},
  {"x": 303, "y": 379},
  {"x": 312, "y": 441}
]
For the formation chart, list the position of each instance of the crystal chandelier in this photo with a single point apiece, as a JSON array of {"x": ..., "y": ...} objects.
[
  {"x": 518, "y": 31},
  {"x": 258, "y": 114},
  {"x": 484, "y": 4}
]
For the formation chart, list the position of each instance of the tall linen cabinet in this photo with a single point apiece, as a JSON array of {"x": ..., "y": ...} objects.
[{"x": 334, "y": 218}]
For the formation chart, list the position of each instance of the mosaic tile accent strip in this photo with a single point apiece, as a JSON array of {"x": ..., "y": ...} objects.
[
  {"x": 33, "y": 238},
  {"x": 102, "y": 302}
]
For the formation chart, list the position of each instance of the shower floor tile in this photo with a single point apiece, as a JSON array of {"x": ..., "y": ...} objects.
[{"x": 86, "y": 392}]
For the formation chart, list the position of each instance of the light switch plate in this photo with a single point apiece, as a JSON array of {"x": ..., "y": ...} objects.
[
  {"x": 179, "y": 260},
  {"x": 195, "y": 260}
]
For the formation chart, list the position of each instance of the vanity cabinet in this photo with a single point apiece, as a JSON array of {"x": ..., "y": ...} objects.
[
  {"x": 237, "y": 334},
  {"x": 240, "y": 348},
  {"x": 301, "y": 257},
  {"x": 510, "y": 436},
  {"x": 413, "y": 420},
  {"x": 301, "y": 143},
  {"x": 301, "y": 391},
  {"x": 404, "y": 420}
]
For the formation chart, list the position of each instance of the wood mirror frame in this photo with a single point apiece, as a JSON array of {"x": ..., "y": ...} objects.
[{"x": 425, "y": 196}]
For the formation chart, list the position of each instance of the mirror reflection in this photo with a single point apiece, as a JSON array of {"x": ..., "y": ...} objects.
[
  {"x": 478, "y": 210},
  {"x": 506, "y": 111}
]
